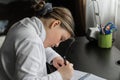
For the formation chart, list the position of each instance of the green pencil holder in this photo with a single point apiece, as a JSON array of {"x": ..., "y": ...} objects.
[{"x": 105, "y": 40}]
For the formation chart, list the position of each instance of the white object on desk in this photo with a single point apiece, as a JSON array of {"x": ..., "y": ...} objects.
[{"x": 79, "y": 75}]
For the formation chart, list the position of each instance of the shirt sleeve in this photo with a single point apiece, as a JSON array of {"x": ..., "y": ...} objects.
[
  {"x": 50, "y": 54},
  {"x": 30, "y": 63}
]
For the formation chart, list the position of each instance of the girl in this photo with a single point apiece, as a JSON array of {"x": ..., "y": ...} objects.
[{"x": 28, "y": 43}]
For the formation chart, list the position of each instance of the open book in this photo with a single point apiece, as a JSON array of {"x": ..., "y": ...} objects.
[{"x": 79, "y": 75}]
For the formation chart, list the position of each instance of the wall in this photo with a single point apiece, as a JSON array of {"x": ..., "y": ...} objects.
[
  {"x": 6, "y": 1},
  {"x": 15, "y": 11}
]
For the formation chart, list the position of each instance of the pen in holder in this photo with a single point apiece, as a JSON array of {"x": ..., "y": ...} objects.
[{"x": 105, "y": 40}]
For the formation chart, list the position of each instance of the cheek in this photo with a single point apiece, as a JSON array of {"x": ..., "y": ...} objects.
[{"x": 56, "y": 38}]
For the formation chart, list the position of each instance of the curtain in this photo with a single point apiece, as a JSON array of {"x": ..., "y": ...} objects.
[
  {"x": 106, "y": 10},
  {"x": 79, "y": 17}
]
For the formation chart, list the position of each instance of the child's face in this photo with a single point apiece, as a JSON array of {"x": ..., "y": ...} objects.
[{"x": 55, "y": 35}]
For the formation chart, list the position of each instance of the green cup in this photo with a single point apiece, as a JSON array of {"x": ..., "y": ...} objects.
[{"x": 105, "y": 40}]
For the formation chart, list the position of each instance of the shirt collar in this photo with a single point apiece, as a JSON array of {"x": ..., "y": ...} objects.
[{"x": 40, "y": 28}]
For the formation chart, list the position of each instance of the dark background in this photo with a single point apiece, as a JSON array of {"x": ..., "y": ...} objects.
[{"x": 18, "y": 9}]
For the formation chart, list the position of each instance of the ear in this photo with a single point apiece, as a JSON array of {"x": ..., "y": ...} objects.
[{"x": 55, "y": 23}]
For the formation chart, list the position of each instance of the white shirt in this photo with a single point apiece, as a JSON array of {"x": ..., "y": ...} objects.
[{"x": 24, "y": 53}]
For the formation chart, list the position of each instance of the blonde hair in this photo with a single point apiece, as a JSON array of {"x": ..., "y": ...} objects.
[{"x": 58, "y": 13}]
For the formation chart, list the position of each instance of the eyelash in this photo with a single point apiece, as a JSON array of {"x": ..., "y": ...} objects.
[{"x": 62, "y": 40}]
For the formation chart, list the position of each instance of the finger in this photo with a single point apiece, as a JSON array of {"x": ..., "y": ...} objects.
[
  {"x": 67, "y": 62},
  {"x": 57, "y": 66},
  {"x": 61, "y": 63},
  {"x": 71, "y": 64}
]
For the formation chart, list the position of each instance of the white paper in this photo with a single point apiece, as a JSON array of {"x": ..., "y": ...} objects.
[{"x": 78, "y": 75}]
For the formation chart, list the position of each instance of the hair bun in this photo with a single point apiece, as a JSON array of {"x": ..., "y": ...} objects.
[
  {"x": 42, "y": 8},
  {"x": 38, "y": 6}
]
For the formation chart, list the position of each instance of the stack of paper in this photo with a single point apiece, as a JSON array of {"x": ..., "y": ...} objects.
[{"x": 79, "y": 75}]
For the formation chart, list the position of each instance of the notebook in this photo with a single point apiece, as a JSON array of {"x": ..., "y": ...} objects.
[{"x": 80, "y": 75}]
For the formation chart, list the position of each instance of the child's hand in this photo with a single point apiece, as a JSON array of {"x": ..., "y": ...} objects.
[
  {"x": 66, "y": 71},
  {"x": 58, "y": 62}
]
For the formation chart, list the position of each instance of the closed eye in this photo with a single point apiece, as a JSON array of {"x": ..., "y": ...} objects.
[{"x": 62, "y": 39}]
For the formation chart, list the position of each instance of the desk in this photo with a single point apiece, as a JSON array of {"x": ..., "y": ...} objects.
[{"x": 87, "y": 56}]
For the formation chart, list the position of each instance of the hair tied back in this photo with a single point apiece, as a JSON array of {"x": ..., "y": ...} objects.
[{"x": 42, "y": 8}]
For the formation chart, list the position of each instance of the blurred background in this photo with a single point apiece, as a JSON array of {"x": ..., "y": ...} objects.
[{"x": 86, "y": 13}]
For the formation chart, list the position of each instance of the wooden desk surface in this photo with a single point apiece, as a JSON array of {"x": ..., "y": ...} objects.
[{"x": 87, "y": 56}]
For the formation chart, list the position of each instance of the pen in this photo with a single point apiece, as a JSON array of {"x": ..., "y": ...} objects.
[{"x": 64, "y": 60}]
